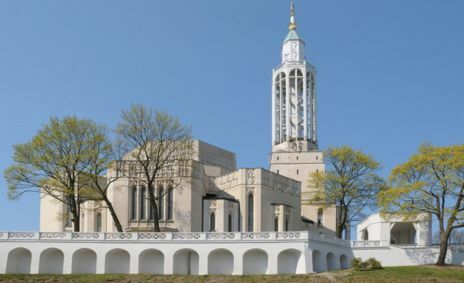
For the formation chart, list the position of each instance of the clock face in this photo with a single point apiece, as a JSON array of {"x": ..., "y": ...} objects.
[{"x": 294, "y": 46}]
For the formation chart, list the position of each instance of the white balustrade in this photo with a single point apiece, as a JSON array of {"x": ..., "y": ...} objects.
[{"x": 157, "y": 236}]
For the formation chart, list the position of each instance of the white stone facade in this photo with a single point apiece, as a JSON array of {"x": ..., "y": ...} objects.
[
  {"x": 170, "y": 253},
  {"x": 396, "y": 231}
]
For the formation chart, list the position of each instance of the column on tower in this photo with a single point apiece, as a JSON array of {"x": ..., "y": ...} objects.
[
  {"x": 288, "y": 111},
  {"x": 305, "y": 103},
  {"x": 313, "y": 109},
  {"x": 298, "y": 108},
  {"x": 279, "y": 105}
]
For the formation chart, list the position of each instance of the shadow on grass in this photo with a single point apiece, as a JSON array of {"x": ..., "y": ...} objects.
[{"x": 388, "y": 274}]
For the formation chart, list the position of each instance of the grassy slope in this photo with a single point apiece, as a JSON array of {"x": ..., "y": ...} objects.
[
  {"x": 390, "y": 274},
  {"x": 409, "y": 274}
]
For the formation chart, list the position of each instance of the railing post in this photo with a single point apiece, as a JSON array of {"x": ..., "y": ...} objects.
[
  {"x": 272, "y": 235},
  {"x": 304, "y": 235}
]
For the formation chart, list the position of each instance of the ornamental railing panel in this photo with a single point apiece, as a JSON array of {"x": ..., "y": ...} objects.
[
  {"x": 87, "y": 236},
  {"x": 22, "y": 235},
  {"x": 120, "y": 236},
  {"x": 369, "y": 244},
  {"x": 153, "y": 236},
  {"x": 54, "y": 235},
  {"x": 256, "y": 236},
  {"x": 221, "y": 236},
  {"x": 289, "y": 235},
  {"x": 186, "y": 236}
]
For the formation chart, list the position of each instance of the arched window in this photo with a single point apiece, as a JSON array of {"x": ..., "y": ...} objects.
[
  {"x": 320, "y": 216},
  {"x": 170, "y": 203},
  {"x": 276, "y": 224},
  {"x": 143, "y": 199},
  {"x": 134, "y": 203},
  {"x": 98, "y": 222},
  {"x": 160, "y": 202},
  {"x": 212, "y": 222},
  {"x": 229, "y": 223},
  {"x": 250, "y": 212}
]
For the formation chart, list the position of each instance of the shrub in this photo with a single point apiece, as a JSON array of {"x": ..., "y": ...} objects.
[
  {"x": 370, "y": 264},
  {"x": 356, "y": 263},
  {"x": 374, "y": 264}
]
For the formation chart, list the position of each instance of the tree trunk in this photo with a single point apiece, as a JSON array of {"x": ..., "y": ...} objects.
[
  {"x": 444, "y": 235},
  {"x": 339, "y": 230},
  {"x": 151, "y": 193},
  {"x": 76, "y": 221},
  {"x": 116, "y": 221},
  {"x": 340, "y": 226}
]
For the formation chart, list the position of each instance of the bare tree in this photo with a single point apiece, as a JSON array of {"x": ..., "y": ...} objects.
[
  {"x": 100, "y": 159},
  {"x": 158, "y": 145}
]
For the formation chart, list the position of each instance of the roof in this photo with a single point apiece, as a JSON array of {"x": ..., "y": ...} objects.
[
  {"x": 306, "y": 220},
  {"x": 292, "y": 35},
  {"x": 276, "y": 203}
]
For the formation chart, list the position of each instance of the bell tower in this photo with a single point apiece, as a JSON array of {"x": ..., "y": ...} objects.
[
  {"x": 295, "y": 151},
  {"x": 294, "y": 96}
]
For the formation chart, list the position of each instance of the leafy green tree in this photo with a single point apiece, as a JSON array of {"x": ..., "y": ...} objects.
[
  {"x": 350, "y": 182},
  {"x": 431, "y": 182},
  {"x": 158, "y": 145},
  {"x": 66, "y": 160}
]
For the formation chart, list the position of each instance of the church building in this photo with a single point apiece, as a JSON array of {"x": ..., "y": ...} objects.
[{"x": 212, "y": 194}]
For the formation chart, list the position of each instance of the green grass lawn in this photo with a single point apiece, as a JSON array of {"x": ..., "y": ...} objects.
[{"x": 389, "y": 274}]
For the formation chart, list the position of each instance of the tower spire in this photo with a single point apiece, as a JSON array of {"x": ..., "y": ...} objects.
[{"x": 292, "y": 25}]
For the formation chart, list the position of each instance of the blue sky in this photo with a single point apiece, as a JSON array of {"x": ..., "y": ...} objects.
[{"x": 390, "y": 73}]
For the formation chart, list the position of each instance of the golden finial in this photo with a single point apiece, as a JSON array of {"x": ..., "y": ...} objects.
[{"x": 292, "y": 25}]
